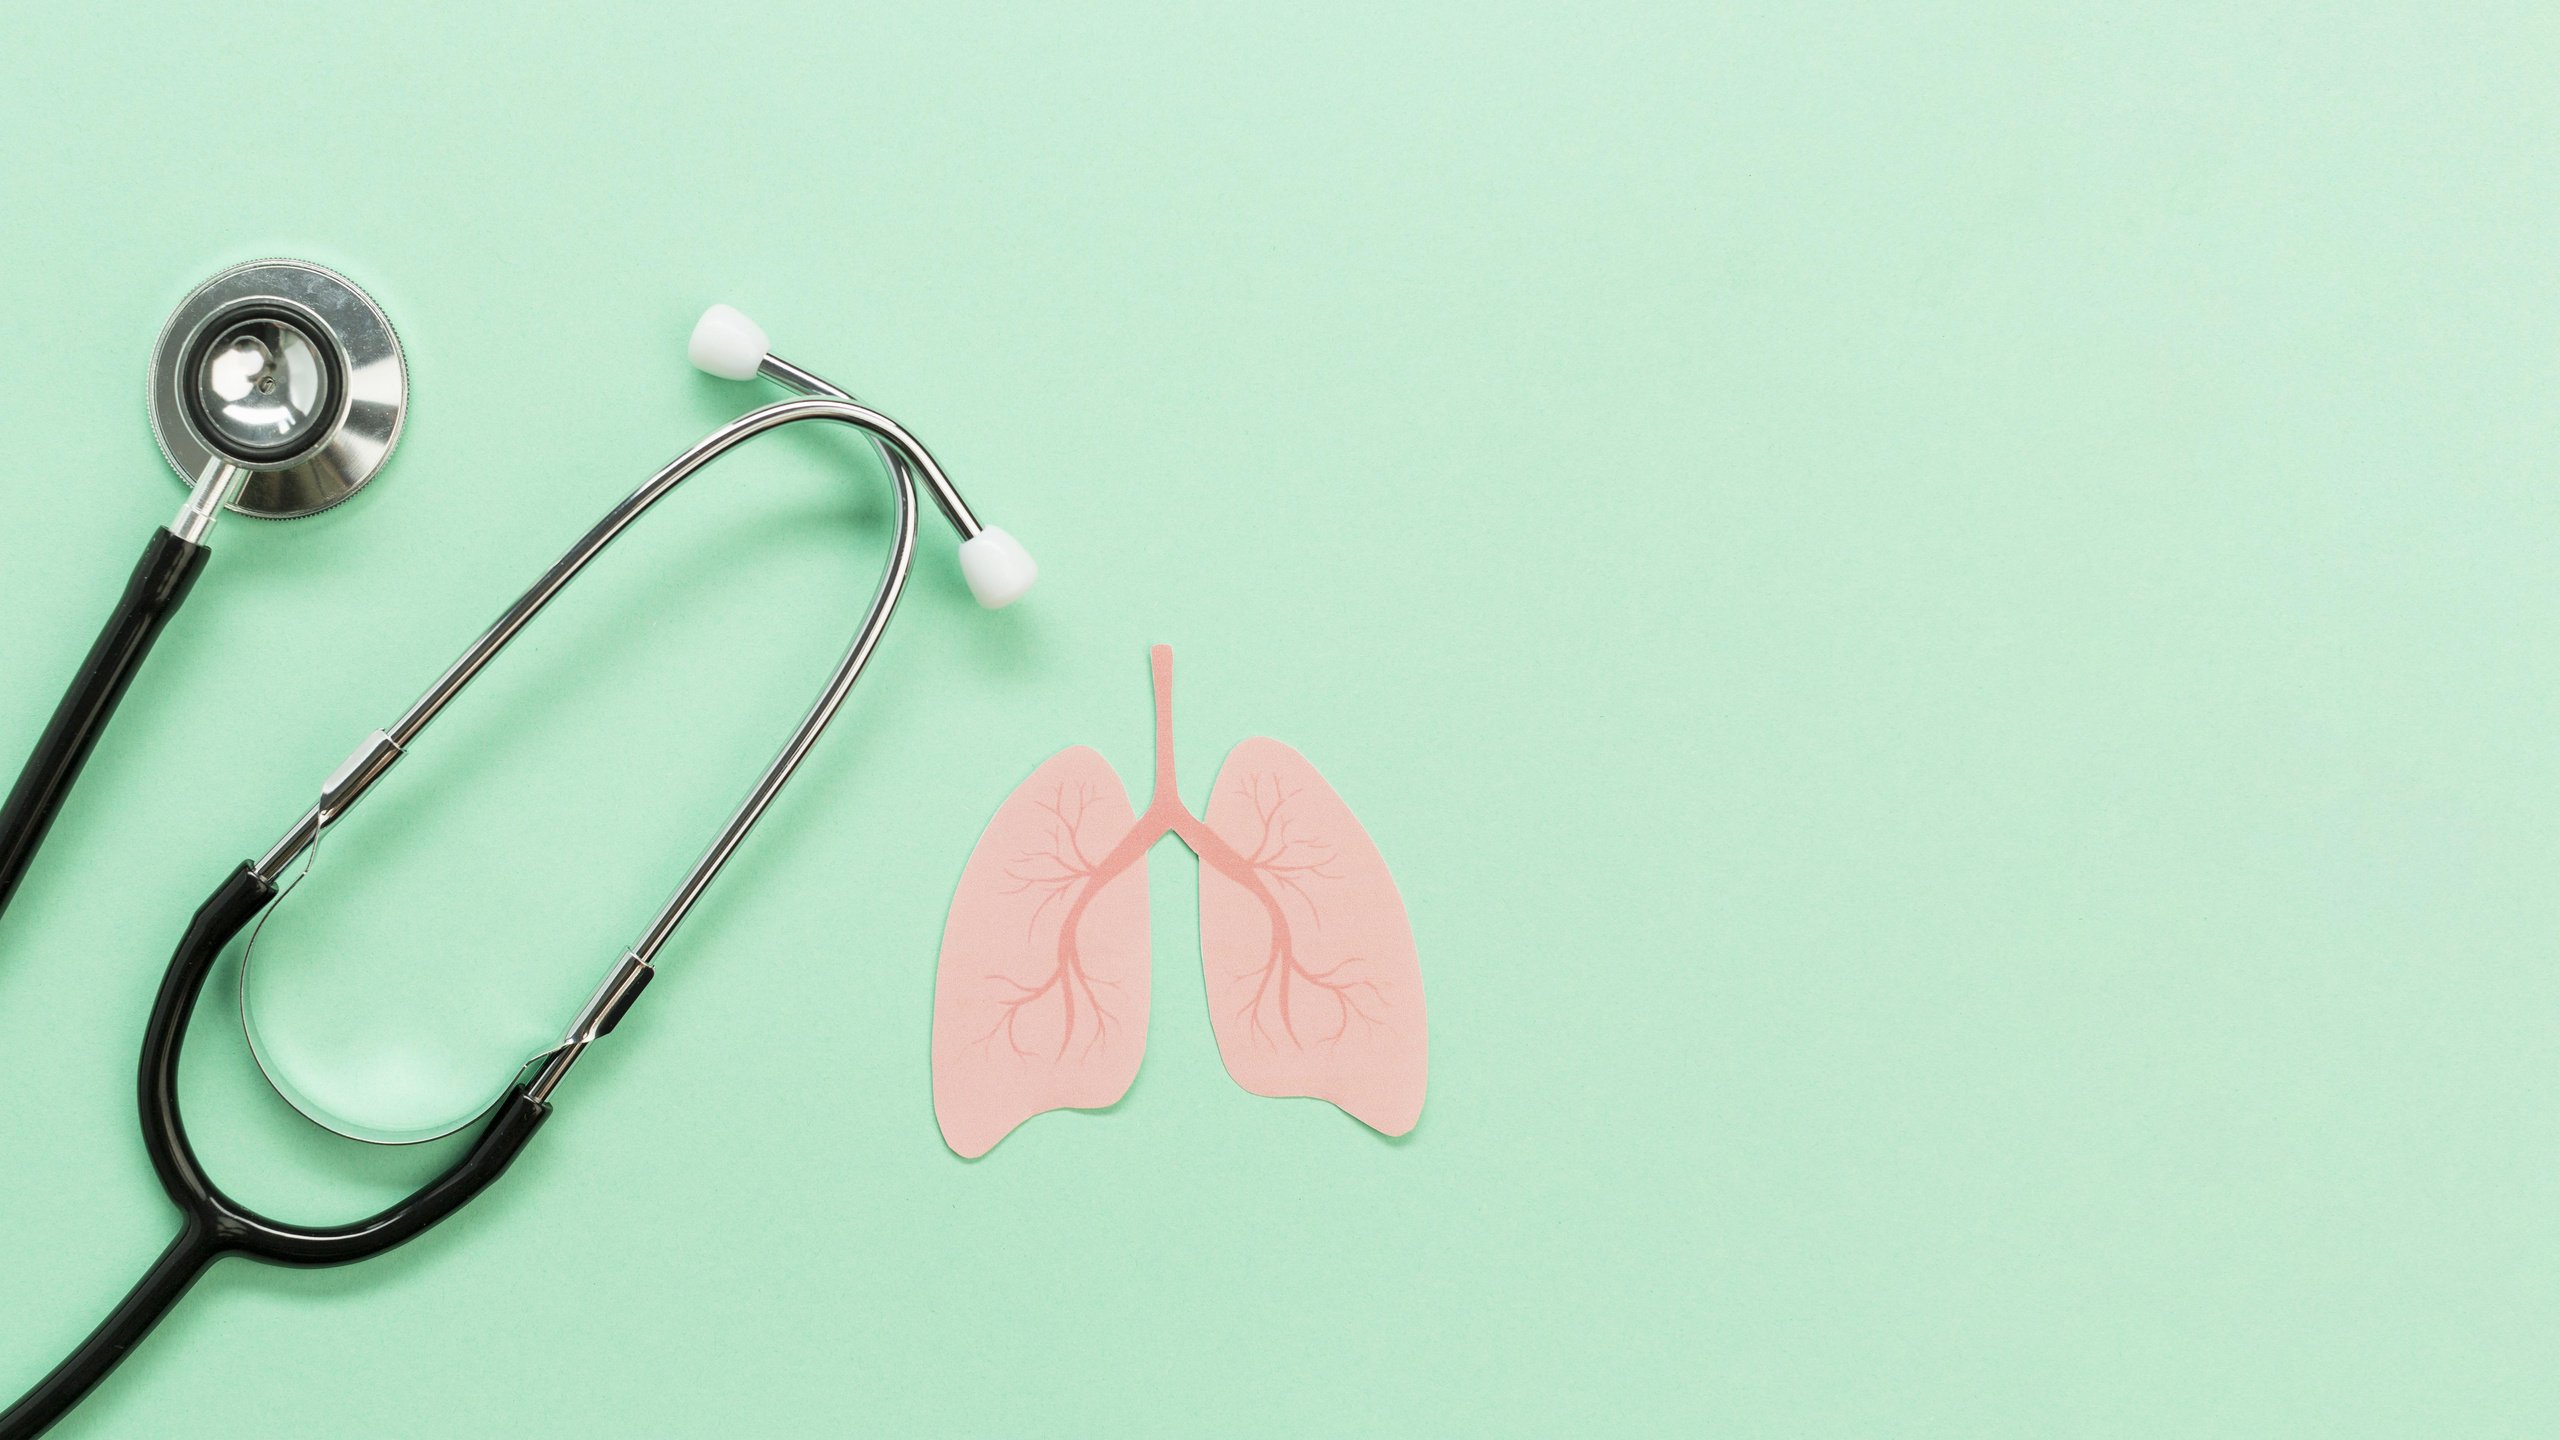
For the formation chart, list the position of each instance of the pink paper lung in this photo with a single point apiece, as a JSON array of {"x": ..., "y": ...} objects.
[
  {"x": 1041, "y": 1002},
  {"x": 1314, "y": 987}
]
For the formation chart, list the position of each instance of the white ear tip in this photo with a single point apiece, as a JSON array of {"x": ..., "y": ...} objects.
[
  {"x": 998, "y": 569},
  {"x": 727, "y": 344}
]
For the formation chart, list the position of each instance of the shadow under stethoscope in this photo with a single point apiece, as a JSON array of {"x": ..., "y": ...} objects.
[{"x": 606, "y": 639}]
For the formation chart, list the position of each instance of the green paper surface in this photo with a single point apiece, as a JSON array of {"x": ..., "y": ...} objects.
[{"x": 1944, "y": 617}]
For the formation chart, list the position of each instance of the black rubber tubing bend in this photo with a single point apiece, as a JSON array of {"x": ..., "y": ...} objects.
[
  {"x": 169, "y": 567},
  {"x": 213, "y": 1224}
]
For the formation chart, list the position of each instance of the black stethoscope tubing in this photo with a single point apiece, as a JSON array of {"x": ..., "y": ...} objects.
[
  {"x": 211, "y": 1223},
  {"x": 160, "y": 582}
]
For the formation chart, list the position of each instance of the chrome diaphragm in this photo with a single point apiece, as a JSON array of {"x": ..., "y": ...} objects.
[{"x": 286, "y": 370}]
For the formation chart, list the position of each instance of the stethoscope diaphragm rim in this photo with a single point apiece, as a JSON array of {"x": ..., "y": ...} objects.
[{"x": 370, "y": 363}]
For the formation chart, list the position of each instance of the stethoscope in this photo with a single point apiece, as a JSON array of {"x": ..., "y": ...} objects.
[
  {"x": 277, "y": 390},
  {"x": 213, "y": 1224}
]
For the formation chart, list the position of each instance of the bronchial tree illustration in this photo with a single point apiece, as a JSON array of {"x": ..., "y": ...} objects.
[{"x": 1041, "y": 1002}]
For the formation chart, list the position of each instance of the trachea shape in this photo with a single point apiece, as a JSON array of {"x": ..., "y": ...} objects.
[{"x": 1041, "y": 1003}]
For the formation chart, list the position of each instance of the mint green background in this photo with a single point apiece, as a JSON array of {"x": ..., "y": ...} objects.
[{"x": 1946, "y": 620}]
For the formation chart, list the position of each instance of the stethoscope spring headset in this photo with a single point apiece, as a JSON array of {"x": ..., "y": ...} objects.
[{"x": 213, "y": 1224}]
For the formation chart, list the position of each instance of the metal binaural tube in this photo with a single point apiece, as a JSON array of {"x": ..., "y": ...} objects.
[
  {"x": 945, "y": 496},
  {"x": 908, "y": 465},
  {"x": 908, "y": 460}
]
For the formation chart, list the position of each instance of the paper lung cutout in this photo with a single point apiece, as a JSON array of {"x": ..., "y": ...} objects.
[
  {"x": 1041, "y": 1001},
  {"x": 1314, "y": 987}
]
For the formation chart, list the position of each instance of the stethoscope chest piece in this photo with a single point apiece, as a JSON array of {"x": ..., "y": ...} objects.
[
  {"x": 285, "y": 375},
  {"x": 287, "y": 371}
]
